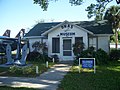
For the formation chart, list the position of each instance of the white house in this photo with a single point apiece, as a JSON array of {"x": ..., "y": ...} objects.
[{"x": 60, "y": 36}]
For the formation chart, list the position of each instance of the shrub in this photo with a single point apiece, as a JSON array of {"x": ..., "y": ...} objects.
[
  {"x": 32, "y": 56},
  {"x": 43, "y": 58},
  {"x": 55, "y": 58},
  {"x": 40, "y": 58},
  {"x": 29, "y": 70},
  {"x": 115, "y": 54},
  {"x": 76, "y": 62},
  {"x": 36, "y": 56},
  {"x": 22, "y": 70},
  {"x": 87, "y": 54},
  {"x": 15, "y": 70},
  {"x": 101, "y": 57},
  {"x": 46, "y": 58}
]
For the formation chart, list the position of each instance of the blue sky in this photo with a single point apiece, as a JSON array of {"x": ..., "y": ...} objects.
[{"x": 18, "y": 14}]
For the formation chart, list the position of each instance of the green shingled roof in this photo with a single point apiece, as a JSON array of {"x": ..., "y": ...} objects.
[
  {"x": 101, "y": 27},
  {"x": 40, "y": 28}
]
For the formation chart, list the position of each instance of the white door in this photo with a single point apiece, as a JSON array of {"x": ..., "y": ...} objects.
[{"x": 67, "y": 49}]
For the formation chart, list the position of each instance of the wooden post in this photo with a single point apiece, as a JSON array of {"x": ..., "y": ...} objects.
[
  {"x": 36, "y": 69},
  {"x": 53, "y": 60},
  {"x": 47, "y": 64}
]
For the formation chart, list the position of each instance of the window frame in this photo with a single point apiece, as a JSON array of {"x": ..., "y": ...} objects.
[{"x": 55, "y": 45}]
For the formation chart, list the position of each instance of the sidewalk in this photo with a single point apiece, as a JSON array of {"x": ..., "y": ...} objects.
[{"x": 46, "y": 81}]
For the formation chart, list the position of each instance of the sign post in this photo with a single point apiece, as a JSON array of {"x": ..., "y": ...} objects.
[{"x": 87, "y": 63}]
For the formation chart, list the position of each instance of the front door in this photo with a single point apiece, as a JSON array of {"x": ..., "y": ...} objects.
[{"x": 67, "y": 48}]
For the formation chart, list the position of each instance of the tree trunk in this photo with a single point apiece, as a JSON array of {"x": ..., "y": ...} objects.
[{"x": 116, "y": 39}]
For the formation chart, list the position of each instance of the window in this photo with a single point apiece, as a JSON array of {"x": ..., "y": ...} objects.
[
  {"x": 78, "y": 39},
  {"x": 79, "y": 44},
  {"x": 93, "y": 42},
  {"x": 55, "y": 45}
]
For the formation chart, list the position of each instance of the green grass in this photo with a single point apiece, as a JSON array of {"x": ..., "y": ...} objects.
[
  {"x": 107, "y": 77},
  {"x": 15, "y": 88}
]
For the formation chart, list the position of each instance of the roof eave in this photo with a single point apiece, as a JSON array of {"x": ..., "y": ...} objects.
[
  {"x": 103, "y": 34},
  {"x": 33, "y": 37}
]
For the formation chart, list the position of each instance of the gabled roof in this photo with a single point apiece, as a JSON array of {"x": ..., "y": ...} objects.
[
  {"x": 40, "y": 28},
  {"x": 66, "y": 22},
  {"x": 101, "y": 27}
]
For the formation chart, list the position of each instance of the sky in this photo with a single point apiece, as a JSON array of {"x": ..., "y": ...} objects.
[{"x": 18, "y": 14}]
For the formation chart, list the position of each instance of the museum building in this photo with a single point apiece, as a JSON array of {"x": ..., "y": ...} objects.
[{"x": 60, "y": 36}]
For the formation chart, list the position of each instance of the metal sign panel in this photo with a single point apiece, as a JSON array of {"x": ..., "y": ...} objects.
[{"x": 87, "y": 63}]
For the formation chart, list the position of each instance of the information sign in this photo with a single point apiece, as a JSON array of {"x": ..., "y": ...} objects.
[{"x": 87, "y": 63}]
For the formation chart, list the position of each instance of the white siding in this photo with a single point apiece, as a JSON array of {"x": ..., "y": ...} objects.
[
  {"x": 103, "y": 43},
  {"x": 31, "y": 41},
  {"x": 56, "y": 33}
]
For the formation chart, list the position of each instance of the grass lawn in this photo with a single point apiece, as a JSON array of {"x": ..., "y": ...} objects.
[
  {"x": 107, "y": 77},
  {"x": 15, "y": 88}
]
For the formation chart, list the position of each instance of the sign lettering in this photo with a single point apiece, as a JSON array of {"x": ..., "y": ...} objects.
[
  {"x": 67, "y": 34},
  {"x": 87, "y": 63}
]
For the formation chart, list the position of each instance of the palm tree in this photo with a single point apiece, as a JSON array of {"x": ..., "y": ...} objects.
[{"x": 113, "y": 16}]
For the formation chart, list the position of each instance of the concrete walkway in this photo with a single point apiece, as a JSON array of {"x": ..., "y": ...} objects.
[{"x": 46, "y": 81}]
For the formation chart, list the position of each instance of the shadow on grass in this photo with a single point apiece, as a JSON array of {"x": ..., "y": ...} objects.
[{"x": 15, "y": 88}]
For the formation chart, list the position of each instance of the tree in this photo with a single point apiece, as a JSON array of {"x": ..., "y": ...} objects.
[
  {"x": 118, "y": 1},
  {"x": 101, "y": 4},
  {"x": 44, "y": 3},
  {"x": 113, "y": 16},
  {"x": 119, "y": 36},
  {"x": 96, "y": 10}
]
